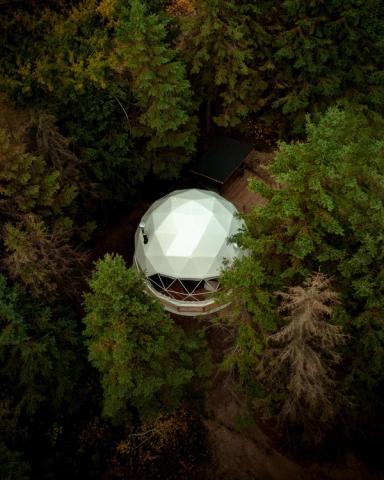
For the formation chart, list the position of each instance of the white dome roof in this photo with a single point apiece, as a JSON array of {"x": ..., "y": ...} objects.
[{"x": 188, "y": 234}]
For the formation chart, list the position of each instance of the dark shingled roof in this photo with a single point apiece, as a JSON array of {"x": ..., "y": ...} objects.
[{"x": 222, "y": 159}]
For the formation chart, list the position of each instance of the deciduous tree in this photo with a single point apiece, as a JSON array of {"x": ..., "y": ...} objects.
[{"x": 56, "y": 59}]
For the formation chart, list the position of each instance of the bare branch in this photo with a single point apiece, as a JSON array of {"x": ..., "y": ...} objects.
[{"x": 302, "y": 353}]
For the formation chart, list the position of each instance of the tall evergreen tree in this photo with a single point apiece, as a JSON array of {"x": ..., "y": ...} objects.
[
  {"x": 163, "y": 113},
  {"x": 250, "y": 318},
  {"x": 303, "y": 354},
  {"x": 225, "y": 52},
  {"x": 326, "y": 51},
  {"x": 42, "y": 257},
  {"x": 27, "y": 183},
  {"x": 144, "y": 359},
  {"x": 37, "y": 351},
  {"x": 38, "y": 180}
]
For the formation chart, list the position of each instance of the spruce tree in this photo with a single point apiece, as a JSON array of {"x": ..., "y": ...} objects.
[
  {"x": 327, "y": 51},
  {"x": 163, "y": 113},
  {"x": 42, "y": 257},
  {"x": 27, "y": 183},
  {"x": 224, "y": 49},
  {"x": 145, "y": 361},
  {"x": 38, "y": 179},
  {"x": 249, "y": 319},
  {"x": 39, "y": 173},
  {"x": 38, "y": 346},
  {"x": 302, "y": 355}
]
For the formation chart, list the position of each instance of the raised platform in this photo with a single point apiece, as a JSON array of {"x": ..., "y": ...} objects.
[
  {"x": 237, "y": 192},
  {"x": 236, "y": 189}
]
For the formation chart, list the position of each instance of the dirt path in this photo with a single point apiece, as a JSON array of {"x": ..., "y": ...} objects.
[
  {"x": 242, "y": 455},
  {"x": 254, "y": 453}
]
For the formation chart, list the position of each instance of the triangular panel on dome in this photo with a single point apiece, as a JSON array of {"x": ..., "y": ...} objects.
[
  {"x": 207, "y": 205},
  {"x": 166, "y": 281},
  {"x": 224, "y": 212},
  {"x": 165, "y": 240},
  {"x": 160, "y": 265},
  {"x": 209, "y": 248},
  {"x": 203, "y": 267}
]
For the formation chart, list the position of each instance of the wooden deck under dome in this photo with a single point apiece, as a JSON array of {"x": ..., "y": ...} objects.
[
  {"x": 236, "y": 190},
  {"x": 238, "y": 193}
]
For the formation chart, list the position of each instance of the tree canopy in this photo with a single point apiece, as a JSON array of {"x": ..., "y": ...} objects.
[
  {"x": 325, "y": 215},
  {"x": 104, "y": 107},
  {"x": 144, "y": 359}
]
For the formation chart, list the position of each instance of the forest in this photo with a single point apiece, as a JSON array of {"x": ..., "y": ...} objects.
[{"x": 104, "y": 105}]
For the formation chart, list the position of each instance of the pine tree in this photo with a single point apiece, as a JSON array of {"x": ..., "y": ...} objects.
[
  {"x": 37, "y": 352},
  {"x": 42, "y": 257},
  {"x": 27, "y": 184},
  {"x": 145, "y": 361},
  {"x": 224, "y": 49},
  {"x": 303, "y": 354},
  {"x": 163, "y": 115},
  {"x": 326, "y": 51}
]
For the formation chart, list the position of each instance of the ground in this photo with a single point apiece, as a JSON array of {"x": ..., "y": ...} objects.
[
  {"x": 253, "y": 454},
  {"x": 256, "y": 451}
]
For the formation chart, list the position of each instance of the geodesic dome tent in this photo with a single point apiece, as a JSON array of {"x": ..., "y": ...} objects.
[{"x": 180, "y": 246}]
